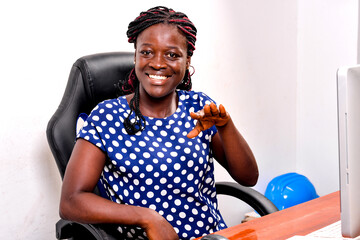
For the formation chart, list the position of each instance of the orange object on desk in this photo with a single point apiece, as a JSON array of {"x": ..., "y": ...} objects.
[{"x": 301, "y": 220}]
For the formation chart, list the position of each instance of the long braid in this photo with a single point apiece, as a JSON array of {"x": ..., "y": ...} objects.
[
  {"x": 137, "y": 124},
  {"x": 146, "y": 19}
]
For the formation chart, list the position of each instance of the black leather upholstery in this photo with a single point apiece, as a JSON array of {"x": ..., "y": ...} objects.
[{"x": 92, "y": 79}]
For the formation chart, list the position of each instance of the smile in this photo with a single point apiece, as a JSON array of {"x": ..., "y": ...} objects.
[{"x": 158, "y": 77}]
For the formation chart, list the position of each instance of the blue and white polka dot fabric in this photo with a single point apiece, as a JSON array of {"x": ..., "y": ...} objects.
[{"x": 159, "y": 168}]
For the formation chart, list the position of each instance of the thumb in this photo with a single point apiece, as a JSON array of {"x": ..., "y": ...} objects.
[{"x": 193, "y": 133}]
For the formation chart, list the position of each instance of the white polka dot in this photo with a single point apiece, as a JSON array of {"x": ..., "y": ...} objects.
[
  {"x": 132, "y": 156},
  {"x": 146, "y": 155},
  {"x": 169, "y": 218},
  {"x": 115, "y": 143},
  {"x": 174, "y": 154},
  {"x": 109, "y": 117},
  {"x": 190, "y": 163},
  {"x": 142, "y": 144},
  {"x": 112, "y": 130},
  {"x": 163, "y": 167},
  {"x": 150, "y": 194},
  {"x": 177, "y": 166},
  {"x": 177, "y": 180},
  {"x": 187, "y": 150},
  {"x": 160, "y": 154},
  {"x": 187, "y": 227},
  {"x": 163, "y": 192},
  {"x": 149, "y": 181},
  {"x": 163, "y": 180},
  {"x": 137, "y": 195},
  {"x": 128, "y": 143},
  {"x": 118, "y": 156},
  {"x": 182, "y": 215},
  {"x": 136, "y": 182},
  {"x": 149, "y": 168},
  {"x": 177, "y": 202},
  {"x": 95, "y": 118}
]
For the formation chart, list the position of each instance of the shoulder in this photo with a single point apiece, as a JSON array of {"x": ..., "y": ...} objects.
[{"x": 107, "y": 110}]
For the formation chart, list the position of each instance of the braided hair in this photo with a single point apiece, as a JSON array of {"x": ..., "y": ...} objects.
[{"x": 146, "y": 19}]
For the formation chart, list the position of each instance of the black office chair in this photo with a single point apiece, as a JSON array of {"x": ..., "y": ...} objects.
[{"x": 92, "y": 79}]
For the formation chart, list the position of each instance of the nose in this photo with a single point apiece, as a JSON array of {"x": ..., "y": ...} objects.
[{"x": 157, "y": 62}]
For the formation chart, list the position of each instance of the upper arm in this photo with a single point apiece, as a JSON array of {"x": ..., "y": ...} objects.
[{"x": 84, "y": 168}]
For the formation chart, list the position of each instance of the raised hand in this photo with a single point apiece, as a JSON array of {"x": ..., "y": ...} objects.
[{"x": 207, "y": 117}]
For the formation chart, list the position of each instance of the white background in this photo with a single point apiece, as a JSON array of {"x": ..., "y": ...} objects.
[{"x": 272, "y": 64}]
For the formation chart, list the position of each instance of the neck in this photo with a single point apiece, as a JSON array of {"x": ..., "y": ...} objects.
[{"x": 157, "y": 107}]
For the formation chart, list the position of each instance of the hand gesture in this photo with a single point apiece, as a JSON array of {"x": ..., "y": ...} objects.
[{"x": 207, "y": 117}]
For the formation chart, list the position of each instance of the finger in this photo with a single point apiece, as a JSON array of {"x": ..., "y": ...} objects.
[
  {"x": 193, "y": 133},
  {"x": 207, "y": 111},
  {"x": 194, "y": 115},
  {"x": 222, "y": 111},
  {"x": 214, "y": 109}
]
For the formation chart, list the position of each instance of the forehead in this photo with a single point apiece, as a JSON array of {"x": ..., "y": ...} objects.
[{"x": 162, "y": 35}]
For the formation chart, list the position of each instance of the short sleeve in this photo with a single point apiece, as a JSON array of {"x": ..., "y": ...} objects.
[{"x": 89, "y": 132}]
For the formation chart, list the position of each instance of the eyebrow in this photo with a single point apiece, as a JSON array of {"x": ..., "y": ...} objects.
[{"x": 149, "y": 45}]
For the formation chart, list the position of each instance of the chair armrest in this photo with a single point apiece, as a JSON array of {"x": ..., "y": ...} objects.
[
  {"x": 73, "y": 230},
  {"x": 256, "y": 200},
  {"x": 67, "y": 229}
]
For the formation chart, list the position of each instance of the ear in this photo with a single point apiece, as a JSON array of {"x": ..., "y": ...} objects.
[{"x": 188, "y": 61}]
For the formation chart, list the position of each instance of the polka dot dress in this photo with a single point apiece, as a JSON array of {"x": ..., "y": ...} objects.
[{"x": 159, "y": 168}]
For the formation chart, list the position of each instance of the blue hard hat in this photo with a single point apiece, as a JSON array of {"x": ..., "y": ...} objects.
[{"x": 290, "y": 189}]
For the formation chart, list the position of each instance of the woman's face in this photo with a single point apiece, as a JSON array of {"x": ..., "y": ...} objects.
[{"x": 161, "y": 59}]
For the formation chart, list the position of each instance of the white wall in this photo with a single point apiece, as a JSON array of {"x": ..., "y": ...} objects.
[
  {"x": 271, "y": 63},
  {"x": 327, "y": 39}
]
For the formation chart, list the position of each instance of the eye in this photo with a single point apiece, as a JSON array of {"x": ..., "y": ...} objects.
[
  {"x": 172, "y": 55},
  {"x": 145, "y": 52}
]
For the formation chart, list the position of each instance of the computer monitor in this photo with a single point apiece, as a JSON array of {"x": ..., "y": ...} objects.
[{"x": 348, "y": 89}]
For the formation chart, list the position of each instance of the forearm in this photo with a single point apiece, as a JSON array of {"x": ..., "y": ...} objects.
[
  {"x": 86, "y": 207},
  {"x": 237, "y": 156}
]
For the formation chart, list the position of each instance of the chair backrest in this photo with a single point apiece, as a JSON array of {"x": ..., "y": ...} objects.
[{"x": 92, "y": 79}]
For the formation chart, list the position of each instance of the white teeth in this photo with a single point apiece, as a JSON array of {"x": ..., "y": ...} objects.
[{"x": 158, "y": 77}]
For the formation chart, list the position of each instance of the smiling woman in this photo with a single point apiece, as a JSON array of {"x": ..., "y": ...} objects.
[{"x": 153, "y": 149}]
